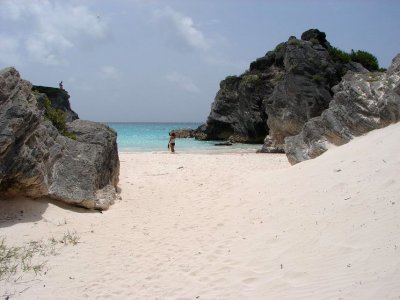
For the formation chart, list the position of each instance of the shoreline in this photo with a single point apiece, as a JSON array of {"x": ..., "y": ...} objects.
[
  {"x": 206, "y": 152},
  {"x": 211, "y": 149}
]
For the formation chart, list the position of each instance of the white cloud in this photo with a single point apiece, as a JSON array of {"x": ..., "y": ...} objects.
[
  {"x": 180, "y": 30},
  {"x": 8, "y": 50},
  {"x": 12, "y": 10},
  {"x": 49, "y": 29},
  {"x": 109, "y": 72},
  {"x": 183, "y": 82}
]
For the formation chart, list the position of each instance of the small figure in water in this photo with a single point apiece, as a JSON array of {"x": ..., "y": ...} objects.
[
  {"x": 61, "y": 85},
  {"x": 171, "y": 143}
]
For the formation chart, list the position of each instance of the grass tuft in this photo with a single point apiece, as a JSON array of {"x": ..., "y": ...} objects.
[{"x": 29, "y": 258}]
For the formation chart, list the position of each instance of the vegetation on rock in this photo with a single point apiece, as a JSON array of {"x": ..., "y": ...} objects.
[
  {"x": 232, "y": 79},
  {"x": 251, "y": 79},
  {"x": 282, "y": 90},
  {"x": 57, "y": 118},
  {"x": 368, "y": 60},
  {"x": 339, "y": 55}
]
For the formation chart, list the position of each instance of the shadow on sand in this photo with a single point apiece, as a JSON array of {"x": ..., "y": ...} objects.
[{"x": 25, "y": 210}]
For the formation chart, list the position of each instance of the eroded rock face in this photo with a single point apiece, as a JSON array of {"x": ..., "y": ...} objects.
[
  {"x": 279, "y": 93},
  {"x": 237, "y": 113},
  {"x": 59, "y": 99},
  {"x": 302, "y": 93},
  {"x": 362, "y": 102},
  {"x": 36, "y": 160}
]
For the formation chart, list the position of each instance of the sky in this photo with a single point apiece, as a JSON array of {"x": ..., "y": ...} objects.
[{"x": 163, "y": 60}]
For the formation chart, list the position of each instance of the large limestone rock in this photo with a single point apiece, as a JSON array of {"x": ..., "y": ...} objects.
[
  {"x": 37, "y": 161},
  {"x": 280, "y": 92},
  {"x": 237, "y": 113},
  {"x": 302, "y": 93},
  {"x": 362, "y": 102}
]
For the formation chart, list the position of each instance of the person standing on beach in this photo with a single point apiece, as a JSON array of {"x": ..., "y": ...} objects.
[
  {"x": 61, "y": 85},
  {"x": 172, "y": 142}
]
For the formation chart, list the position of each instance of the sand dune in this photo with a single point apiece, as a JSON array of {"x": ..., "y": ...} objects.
[{"x": 234, "y": 226}]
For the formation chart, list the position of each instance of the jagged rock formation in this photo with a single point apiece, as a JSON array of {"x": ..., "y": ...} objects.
[
  {"x": 36, "y": 160},
  {"x": 237, "y": 113},
  {"x": 361, "y": 103},
  {"x": 59, "y": 100},
  {"x": 279, "y": 93}
]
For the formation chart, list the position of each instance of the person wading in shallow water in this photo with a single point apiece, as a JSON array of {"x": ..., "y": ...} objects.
[{"x": 171, "y": 143}]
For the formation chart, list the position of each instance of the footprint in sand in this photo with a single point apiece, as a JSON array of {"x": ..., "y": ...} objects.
[{"x": 249, "y": 280}]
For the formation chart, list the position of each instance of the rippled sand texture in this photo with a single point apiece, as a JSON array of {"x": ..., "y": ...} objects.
[{"x": 233, "y": 226}]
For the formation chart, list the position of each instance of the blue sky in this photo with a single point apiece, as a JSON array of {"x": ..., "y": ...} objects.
[{"x": 162, "y": 60}]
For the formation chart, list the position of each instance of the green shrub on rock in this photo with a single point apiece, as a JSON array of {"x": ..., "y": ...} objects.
[
  {"x": 230, "y": 80},
  {"x": 314, "y": 41},
  {"x": 365, "y": 58},
  {"x": 294, "y": 42},
  {"x": 57, "y": 118},
  {"x": 249, "y": 79},
  {"x": 339, "y": 55}
]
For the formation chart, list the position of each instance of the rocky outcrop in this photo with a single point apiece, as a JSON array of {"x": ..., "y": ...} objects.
[
  {"x": 59, "y": 99},
  {"x": 38, "y": 161},
  {"x": 237, "y": 113},
  {"x": 183, "y": 133},
  {"x": 316, "y": 36},
  {"x": 278, "y": 94},
  {"x": 362, "y": 102}
]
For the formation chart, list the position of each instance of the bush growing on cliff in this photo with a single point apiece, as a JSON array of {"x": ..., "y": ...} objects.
[
  {"x": 280, "y": 47},
  {"x": 339, "y": 55},
  {"x": 57, "y": 118},
  {"x": 230, "y": 80},
  {"x": 249, "y": 79},
  {"x": 365, "y": 58},
  {"x": 314, "y": 41}
]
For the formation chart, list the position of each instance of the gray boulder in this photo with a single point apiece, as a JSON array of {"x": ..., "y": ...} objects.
[
  {"x": 313, "y": 35},
  {"x": 277, "y": 95},
  {"x": 38, "y": 161},
  {"x": 301, "y": 94},
  {"x": 362, "y": 102}
]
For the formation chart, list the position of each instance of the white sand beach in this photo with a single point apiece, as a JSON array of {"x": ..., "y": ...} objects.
[{"x": 226, "y": 226}]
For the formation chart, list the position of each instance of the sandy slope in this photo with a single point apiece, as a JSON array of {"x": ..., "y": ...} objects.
[{"x": 238, "y": 226}]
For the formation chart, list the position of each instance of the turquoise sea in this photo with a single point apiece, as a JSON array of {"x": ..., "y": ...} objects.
[{"x": 153, "y": 137}]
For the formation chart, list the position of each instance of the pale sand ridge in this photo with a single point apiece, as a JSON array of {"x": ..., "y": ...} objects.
[{"x": 235, "y": 226}]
